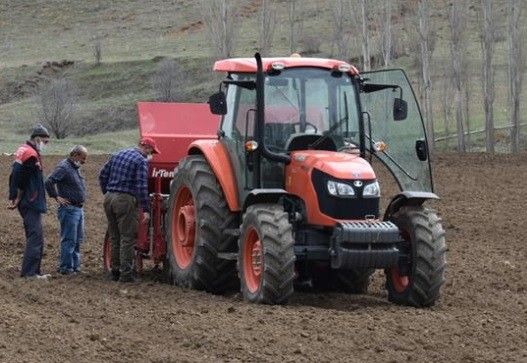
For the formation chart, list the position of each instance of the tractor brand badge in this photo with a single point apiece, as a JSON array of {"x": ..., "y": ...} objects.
[
  {"x": 355, "y": 175},
  {"x": 163, "y": 173},
  {"x": 357, "y": 183},
  {"x": 300, "y": 157}
]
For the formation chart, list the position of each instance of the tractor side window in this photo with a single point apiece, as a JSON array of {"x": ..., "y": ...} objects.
[
  {"x": 227, "y": 122},
  {"x": 241, "y": 112},
  {"x": 246, "y": 115}
]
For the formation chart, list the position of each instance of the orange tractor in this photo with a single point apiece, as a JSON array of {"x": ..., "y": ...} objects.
[{"x": 283, "y": 195}]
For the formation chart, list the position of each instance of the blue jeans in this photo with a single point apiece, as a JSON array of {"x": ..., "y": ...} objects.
[
  {"x": 34, "y": 242},
  {"x": 71, "y": 235}
]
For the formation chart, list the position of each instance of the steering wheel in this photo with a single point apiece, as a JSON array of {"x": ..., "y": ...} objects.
[{"x": 315, "y": 129}]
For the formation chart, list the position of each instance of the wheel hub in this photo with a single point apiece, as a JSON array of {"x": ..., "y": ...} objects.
[
  {"x": 400, "y": 282},
  {"x": 183, "y": 228},
  {"x": 186, "y": 226},
  {"x": 252, "y": 260},
  {"x": 257, "y": 258}
]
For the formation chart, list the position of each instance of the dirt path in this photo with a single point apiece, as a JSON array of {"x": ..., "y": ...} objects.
[{"x": 482, "y": 315}]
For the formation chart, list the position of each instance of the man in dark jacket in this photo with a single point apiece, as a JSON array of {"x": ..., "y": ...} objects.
[
  {"x": 70, "y": 196},
  {"x": 124, "y": 183},
  {"x": 26, "y": 192}
]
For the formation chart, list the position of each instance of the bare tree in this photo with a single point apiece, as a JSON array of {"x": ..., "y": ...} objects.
[
  {"x": 457, "y": 25},
  {"x": 57, "y": 98},
  {"x": 386, "y": 32},
  {"x": 516, "y": 63},
  {"x": 97, "y": 52},
  {"x": 446, "y": 97},
  {"x": 466, "y": 78},
  {"x": 267, "y": 25},
  {"x": 341, "y": 37},
  {"x": 168, "y": 81},
  {"x": 363, "y": 4},
  {"x": 221, "y": 22},
  {"x": 487, "y": 50},
  {"x": 426, "y": 55},
  {"x": 296, "y": 23}
]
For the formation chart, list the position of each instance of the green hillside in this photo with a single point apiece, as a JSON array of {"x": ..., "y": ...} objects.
[{"x": 136, "y": 35}]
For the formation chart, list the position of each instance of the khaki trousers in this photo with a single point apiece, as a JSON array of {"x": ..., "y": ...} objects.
[{"x": 121, "y": 211}]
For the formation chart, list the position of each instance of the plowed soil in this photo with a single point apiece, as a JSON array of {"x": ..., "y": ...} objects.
[{"x": 481, "y": 316}]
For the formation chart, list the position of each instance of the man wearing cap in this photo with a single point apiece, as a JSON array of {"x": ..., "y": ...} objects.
[
  {"x": 124, "y": 183},
  {"x": 70, "y": 197},
  {"x": 26, "y": 192}
]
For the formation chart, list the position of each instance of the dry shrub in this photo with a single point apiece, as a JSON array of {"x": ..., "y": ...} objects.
[{"x": 57, "y": 99}]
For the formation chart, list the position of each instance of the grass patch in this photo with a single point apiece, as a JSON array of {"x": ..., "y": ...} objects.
[{"x": 102, "y": 143}]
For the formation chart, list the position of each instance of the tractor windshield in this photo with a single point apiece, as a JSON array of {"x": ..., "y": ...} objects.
[{"x": 310, "y": 101}]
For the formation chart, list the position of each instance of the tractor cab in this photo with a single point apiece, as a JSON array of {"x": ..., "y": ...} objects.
[{"x": 304, "y": 104}]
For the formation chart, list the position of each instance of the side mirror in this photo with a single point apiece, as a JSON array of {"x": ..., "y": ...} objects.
[
  {"x": 218, "y": 103},
  {"x": 400, "y": 109},
  {"x": 421, "y": 150}
]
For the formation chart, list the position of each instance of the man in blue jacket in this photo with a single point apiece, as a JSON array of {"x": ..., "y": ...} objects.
[
  {"x": 26, "y": 192},
  {"x": 70, "y": 196}
]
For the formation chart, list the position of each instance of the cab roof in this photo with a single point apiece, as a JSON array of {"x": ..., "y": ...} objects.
[{"x": 248, "y": 65}]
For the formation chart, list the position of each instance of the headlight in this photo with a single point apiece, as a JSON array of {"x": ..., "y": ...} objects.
[
  {"x": 340, "y": 189},
  {"x": 372, "y": 190}
]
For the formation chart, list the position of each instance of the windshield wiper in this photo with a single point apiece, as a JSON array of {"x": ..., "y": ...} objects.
[{"x": 335, "y": 126}]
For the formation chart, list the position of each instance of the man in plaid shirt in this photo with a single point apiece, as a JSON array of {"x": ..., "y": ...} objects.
[{"x": 124, "y": 183}]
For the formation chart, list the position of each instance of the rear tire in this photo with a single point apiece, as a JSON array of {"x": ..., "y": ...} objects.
[
  {"x": 420, "y": 287},
  {"x": 197, "y": 216},
  {"x": 266, "y": 260}
]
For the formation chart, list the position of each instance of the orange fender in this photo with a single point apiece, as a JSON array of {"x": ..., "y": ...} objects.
[{"x": 220, "y": 163}]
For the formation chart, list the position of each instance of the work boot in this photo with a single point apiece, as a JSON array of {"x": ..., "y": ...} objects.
[{"x": 115, "y": 275}]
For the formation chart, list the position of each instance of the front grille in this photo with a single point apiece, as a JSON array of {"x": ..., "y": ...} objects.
[{"x": 343, "y": 208}]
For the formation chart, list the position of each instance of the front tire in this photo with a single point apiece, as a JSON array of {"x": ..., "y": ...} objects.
[
  {"x": 266, "y": 260},
  {"x": 197, "y": 216},
  {"x": 425, "y": 246}
]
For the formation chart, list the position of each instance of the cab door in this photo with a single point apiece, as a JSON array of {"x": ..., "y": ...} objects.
[
  {"x": 237, "y": 127},
  {"x": 405, "y": 151}
]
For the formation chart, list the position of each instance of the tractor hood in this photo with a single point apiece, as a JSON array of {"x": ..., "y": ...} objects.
[
  {"x": 337, "y": 164},
  {"x": 307, "y": 176}
]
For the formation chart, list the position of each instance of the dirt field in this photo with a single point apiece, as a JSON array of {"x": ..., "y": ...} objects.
[{"x": 482, "y": 315}]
